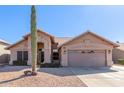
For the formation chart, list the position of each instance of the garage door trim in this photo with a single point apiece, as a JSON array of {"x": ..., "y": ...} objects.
[{"x": 105, "y": 58}]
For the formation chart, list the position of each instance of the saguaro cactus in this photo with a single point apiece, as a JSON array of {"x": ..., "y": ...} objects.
[{"x": 33, "y": 40}]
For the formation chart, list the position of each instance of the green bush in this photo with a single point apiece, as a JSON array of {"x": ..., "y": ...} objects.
[
  {"x": 120, "y": 61},
  {"x": 51, "y": 65},
  {"x": 20, "y": 63}
]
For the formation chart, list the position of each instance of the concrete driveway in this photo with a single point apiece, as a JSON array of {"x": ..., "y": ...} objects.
[
  {"x": 101, "y": 77},
  {"x": 63, "y": 77}
]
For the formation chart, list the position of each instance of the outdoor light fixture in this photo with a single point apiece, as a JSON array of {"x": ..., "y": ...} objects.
[{"x": 109, "y": 51}]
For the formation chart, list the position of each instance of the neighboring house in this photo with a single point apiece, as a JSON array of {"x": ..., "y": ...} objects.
[
  {"x": 87, "y": 49},
  {"x": 118, "y": 53},
  {"x": 4, "y": 54}
]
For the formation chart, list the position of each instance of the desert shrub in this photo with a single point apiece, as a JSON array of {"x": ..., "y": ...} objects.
[
  {"x": 120, "y": 61},
  {"x": 19, "y": 63},
  {"x": 52, "y": 65}
]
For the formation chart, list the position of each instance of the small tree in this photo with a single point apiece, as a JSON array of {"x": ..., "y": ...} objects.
[{"x": 33, "y": 40}]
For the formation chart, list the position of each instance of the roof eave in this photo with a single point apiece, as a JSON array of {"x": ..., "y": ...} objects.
[
  {"x": 25, "y": 37},
  {"x": 14, "y": 44},
  {"x": 112, "y": 43}
]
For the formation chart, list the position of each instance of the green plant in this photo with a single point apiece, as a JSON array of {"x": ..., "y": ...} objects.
[
  {"x": 51, "y": 65},
  {"x": 19, "y": 63},
  {"x": 120, "y": 61},
  {"x": 33, "y": 39}
]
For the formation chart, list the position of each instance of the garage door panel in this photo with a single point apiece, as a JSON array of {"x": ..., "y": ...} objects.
[{"x": 86, "y": 58}]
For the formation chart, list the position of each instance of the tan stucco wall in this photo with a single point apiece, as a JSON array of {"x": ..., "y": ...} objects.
[
  {"x": 4, "y": 54},
  {"x": 88, "y": 36},
  {"x": 26, "y": 46},
  {"x": 79, "y": 44},
  {"x": 23, "y": 46}
]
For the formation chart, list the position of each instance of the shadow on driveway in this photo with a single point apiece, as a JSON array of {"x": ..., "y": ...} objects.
[{"x": 62, "y": 71}]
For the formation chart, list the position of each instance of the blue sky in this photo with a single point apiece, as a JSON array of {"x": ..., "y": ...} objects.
[{"x": 63, "y": 21}]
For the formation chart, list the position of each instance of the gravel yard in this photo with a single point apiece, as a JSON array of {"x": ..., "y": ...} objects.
[{"x": 12, "y": 76}]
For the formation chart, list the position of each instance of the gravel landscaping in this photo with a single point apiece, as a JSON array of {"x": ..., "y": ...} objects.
[{"x": 12, "y": 76}]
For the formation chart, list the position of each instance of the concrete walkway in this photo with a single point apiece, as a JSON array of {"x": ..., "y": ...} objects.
[{"x": 101, "y": 77}]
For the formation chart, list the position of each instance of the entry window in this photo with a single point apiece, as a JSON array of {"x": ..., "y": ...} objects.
[
  {"x": 55, "y": 56},
  {"x": 19, "y": 55},
  {"x": 42, "y": 56},
  {"x": 22, "y": 55},
  {"x": 25, "y": 55}
]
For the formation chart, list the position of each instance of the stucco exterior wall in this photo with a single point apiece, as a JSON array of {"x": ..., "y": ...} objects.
[
  {"x": 23, "y": 46},
  {"x": 91, "y": 37},
  {"x": 26, "y": 46},
  {"x": 86, "y": 42},
  {"x": 4, "y": 54},
  {"x": 80, "y": 44},
  {"x": 47, "y": 47}
]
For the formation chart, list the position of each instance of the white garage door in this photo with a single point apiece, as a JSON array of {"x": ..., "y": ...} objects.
[{"x": 86, "y": 58}]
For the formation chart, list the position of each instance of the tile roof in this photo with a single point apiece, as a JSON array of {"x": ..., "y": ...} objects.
[
  {"x": 61, "y": 40},
  {"x": 89, "y": 32}
]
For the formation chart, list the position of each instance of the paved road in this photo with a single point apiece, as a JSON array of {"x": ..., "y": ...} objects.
[{"x": 101, "y": 77}]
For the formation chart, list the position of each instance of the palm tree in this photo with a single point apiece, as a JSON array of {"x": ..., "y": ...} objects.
[{"x": 33, "y": 40}]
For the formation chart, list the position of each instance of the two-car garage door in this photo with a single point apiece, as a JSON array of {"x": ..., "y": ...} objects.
[{"x": 86, "y": 58}]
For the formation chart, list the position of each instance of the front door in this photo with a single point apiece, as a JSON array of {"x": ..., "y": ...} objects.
[{"x": 40, "y": 56}]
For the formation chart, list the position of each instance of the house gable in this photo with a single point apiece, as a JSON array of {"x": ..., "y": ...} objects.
[
  {"x": 89, "y": 37},
  {"x": 22, "y": 45},
  {"x": 41, "y": 34}
]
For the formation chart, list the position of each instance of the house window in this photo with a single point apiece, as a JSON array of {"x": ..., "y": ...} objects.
[
  {"x": 55, "y": 56},
  {"x": 25, "y": 57},
  {"x": 22, "y": 55},
  {"x": 19, "y": 55}
]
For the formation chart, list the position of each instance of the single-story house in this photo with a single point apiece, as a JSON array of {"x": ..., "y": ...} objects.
[
  {"x": 118, "y": 52},
  {"x": 4, "y": 54},
  {"x": 87, "y": 49}
]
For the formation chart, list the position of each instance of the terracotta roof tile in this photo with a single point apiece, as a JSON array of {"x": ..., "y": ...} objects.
[{"x": 61, "y": 40}]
